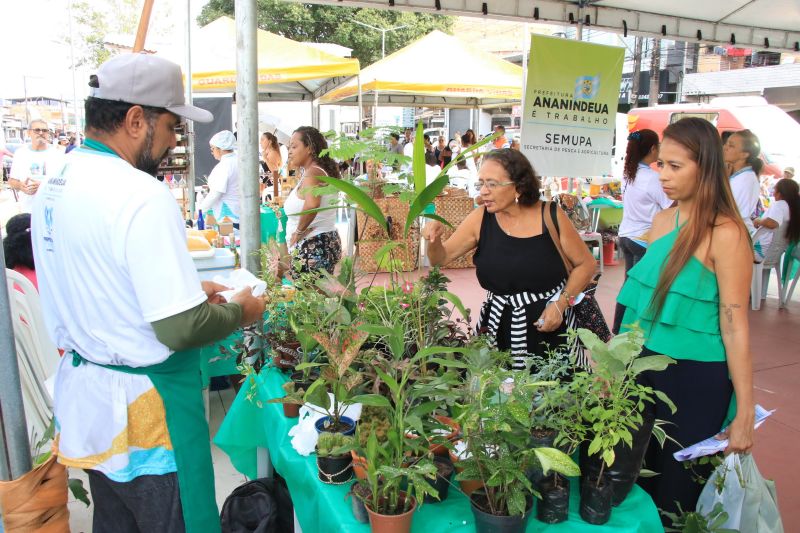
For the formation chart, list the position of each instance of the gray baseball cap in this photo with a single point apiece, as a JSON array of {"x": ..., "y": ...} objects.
[{"x": 145, "y": 79}]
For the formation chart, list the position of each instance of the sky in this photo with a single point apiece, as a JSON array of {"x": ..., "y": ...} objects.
[{"x": 33, "y": 35}]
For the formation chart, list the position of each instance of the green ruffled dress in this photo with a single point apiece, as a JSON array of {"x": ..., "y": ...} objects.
[{"x": 688, "y": 326}]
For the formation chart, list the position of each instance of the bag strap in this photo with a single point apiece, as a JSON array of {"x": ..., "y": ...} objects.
[{"x": 551, "y": 222}]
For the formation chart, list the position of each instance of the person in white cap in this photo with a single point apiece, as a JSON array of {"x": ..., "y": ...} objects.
[
  {"x": 223, "y": 183},
  {"x": 788, "y": 173},
  {"x": 121, "y": 296}
]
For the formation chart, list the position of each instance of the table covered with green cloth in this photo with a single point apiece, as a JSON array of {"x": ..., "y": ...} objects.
[
  {"x": 213, "y": 362},
  {"x": 252, "y": 423}
]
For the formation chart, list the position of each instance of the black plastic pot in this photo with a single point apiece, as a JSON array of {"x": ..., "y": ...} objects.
[
  {"x": 553, "y": 507},
  {"x": 543, "y": 438},
  {"x": 359, "y": 508},
  {"x": 442, "y": 482},
  {"x": 596, "y": 499},
  {"x": 335, "y": 470},
  {"x": 489, "y": 523},
  {"x": 539, "y": 439},
  {"x": 627, "y": 461}
]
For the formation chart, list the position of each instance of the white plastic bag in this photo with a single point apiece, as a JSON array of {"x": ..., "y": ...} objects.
[{"x": 749, "y": 500}]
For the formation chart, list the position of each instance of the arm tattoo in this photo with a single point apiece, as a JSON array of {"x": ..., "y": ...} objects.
[{"x": 728, "y": 310}]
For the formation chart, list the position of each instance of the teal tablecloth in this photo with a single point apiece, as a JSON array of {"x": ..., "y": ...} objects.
[
  {"x": 254, "y": 423},
  {"x": 214, "y": 363},
  {"x": 269, "y": 225}
]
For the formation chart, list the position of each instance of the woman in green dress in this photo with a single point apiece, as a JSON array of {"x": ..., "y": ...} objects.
[{"x": 689, "y": 293}]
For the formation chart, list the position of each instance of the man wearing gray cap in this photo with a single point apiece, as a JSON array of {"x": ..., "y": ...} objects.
[{"x": 121, "y": 296}]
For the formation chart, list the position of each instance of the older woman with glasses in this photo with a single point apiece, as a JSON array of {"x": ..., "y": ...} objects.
[{"x": 517, "y": 262}]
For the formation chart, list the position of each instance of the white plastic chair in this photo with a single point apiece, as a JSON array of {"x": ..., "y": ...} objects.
[
  {"x": 760, "y": 280},
  {"x": 37, "y": 356},
  {"x": 592, "y": 235},
  {"x": 787, "y": 293}
]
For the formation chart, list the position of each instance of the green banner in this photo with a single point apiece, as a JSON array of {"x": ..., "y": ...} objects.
[{"x": 571, "y": 99}]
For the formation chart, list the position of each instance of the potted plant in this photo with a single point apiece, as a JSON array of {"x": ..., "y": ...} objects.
[
  {"x": 395, "y": 491},
  {"x": 291, "y": 401},
  {"x": 496, "y": 423},
  {"x": 337, "y": 376},
  {"x": 611, "y": 407},
  {"x": 359, "y": 492},
  {"x": 695, "y": 522},
  {"x": 399, "y": 472},
  {"x": 37, "y": 500},
  {"x": 444, "y": 471},
  {"x": 334, "y": 463}
]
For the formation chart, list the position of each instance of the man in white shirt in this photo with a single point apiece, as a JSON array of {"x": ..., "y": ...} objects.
[
  {"x": 34, "y": 163},
  {"x": 121, "y": 296}
]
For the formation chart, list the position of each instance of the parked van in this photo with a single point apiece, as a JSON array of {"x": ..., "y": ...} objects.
[{"x": 778, "y": 133}]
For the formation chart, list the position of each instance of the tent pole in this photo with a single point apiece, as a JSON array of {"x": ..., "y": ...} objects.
[
  {"x": 247, "y": 127},
  {"x": 375, "y": 107},
  {"x": 360, "y": 104},
  {"x": 191, "y": 176},
  {"x": 144, "y": 22},
  {"x": 14, "y": 448}
]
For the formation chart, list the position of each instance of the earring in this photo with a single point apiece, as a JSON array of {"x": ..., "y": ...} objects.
[{"x": 516, "y": 199}]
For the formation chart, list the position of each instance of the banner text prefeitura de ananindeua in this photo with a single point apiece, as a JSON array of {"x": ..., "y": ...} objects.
[{"x": 570, "y": 106}]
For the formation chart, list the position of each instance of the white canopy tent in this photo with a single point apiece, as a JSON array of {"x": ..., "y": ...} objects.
[{"x": 762, "y": 24}]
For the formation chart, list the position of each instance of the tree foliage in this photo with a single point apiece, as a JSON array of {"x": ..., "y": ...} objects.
[
  {"x": 333, "y": 24},
  {"x": 95, "y": 20}
]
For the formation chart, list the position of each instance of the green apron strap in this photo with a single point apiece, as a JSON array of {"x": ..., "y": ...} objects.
[{"x": 178, "y": 382}]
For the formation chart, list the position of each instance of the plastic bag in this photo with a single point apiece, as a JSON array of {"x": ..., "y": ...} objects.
[{"x": 749, "y": 500}]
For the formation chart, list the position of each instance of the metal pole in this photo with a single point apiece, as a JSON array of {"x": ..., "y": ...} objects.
[
  {"x": 247, "y": 127},
  {"x": 27, "y": 111},
  {"x": 360, "y": 104},
  {"x": 13, "y": 427},
  {"x": 191, "y": 177}
]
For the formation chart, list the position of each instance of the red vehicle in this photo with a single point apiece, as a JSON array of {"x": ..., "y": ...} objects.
[{"x": 777, "y": 131}]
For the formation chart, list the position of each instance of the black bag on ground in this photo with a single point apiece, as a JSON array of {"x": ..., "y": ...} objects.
[{"x": 259, "y": 506}]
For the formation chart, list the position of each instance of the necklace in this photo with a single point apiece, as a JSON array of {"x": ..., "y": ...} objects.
[{"x": 510, "y": 230}]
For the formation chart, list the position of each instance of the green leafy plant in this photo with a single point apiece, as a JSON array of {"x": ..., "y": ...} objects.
[
  {"x": 403, "y": 455},
  {"x": 337, "y": 374},
  {"x": 39, "y": 457},
  {"x": 496, "y": 422},
  {"x": 694, "y": 522},
  {"x": 611, "y": 398},
  {"x": 333, "y": 444},
  {"x": 293, "y": 394}
]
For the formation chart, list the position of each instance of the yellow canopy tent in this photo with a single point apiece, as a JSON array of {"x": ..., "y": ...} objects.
[
  {"x": 418, "y": 76},
  {"x": 287, "y": 70}
]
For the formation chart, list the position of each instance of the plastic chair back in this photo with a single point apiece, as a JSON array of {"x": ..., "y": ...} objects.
[{"x": 37, "y": 356}]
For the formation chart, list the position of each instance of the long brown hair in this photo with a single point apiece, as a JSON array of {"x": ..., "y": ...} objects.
[
  {"x": 272, "y": 140},
  {"x": 713, "y": 199},
  {"x": 790, "y": 193},
  {"x": 639, "y": 145}
]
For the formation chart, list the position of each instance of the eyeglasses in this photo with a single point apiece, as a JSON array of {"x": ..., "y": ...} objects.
[
  {"x": 40, "y": 131},
  {"x": 492, "y": 185}
]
